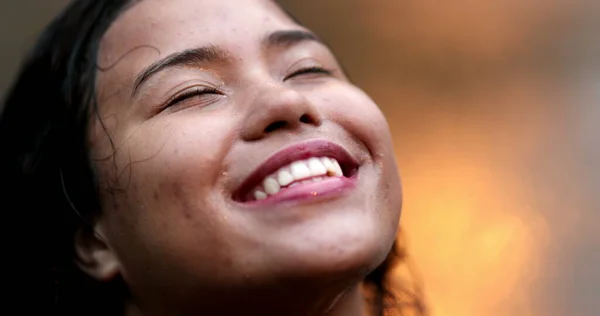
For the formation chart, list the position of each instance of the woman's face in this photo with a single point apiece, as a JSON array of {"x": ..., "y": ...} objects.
[{"x": 215, "y": 112}]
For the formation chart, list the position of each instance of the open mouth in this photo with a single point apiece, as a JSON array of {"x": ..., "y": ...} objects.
[{"x": 300, "y": 165}]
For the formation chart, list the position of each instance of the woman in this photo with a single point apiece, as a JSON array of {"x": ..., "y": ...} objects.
[{"x": 197, "y": 157}]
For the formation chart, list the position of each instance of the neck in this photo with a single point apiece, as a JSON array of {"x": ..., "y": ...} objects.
[{"x": 349, "y": 302}]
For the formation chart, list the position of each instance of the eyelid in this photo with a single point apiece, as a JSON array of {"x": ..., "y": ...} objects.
[
  {"x": 193, "y": 91},
  {"x": 304, "y": 63},
  {"x": 307, "y": 64},
  {"x": 315, "y": 70},
  {"x": 190, "y": 92}
]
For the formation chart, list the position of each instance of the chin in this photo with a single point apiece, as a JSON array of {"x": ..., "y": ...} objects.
[{"x": 346, "y": 254}]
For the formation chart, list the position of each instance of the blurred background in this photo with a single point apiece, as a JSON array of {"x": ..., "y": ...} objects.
[{"x": 495, "y": 111}]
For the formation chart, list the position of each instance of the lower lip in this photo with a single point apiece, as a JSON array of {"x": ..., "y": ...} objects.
[{"x": 309, "y": 192}]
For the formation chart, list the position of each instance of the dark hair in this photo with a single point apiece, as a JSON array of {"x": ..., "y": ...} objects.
[{"x": 46, "y": 168}]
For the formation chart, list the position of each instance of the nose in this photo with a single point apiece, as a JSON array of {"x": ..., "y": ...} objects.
[{"x": 278, "y": 108}]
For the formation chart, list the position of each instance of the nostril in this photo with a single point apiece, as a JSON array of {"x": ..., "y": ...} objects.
[
  {"x": 306, "y": 119},
  {"x": 275, "y": 126}
]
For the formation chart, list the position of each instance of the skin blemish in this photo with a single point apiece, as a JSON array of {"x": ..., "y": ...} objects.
[
  {"x": 179, "y": 195},
  {"x": 176, "y": 194},
  {"x": 187, "y": 214}
]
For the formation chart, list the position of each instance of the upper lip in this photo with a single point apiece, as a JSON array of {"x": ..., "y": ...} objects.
[{"x": 299, "y": 151}]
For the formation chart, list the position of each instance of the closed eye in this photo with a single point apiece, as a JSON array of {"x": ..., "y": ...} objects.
[
  {"x": 310, "y": 70},
  {"x": 202, "y": 95}
]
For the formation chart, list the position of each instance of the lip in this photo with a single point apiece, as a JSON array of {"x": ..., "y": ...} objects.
[
  {"x": 313, "y": 192},
  {"x": 301, "y": 151}
]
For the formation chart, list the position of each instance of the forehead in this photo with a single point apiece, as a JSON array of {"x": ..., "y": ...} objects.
[{"x": 162, "y": 27}]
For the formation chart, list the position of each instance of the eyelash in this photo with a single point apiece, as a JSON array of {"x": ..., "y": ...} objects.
[
  {"x": 310, "y": 70},
  {"x": 211, "y": 90},
  {"x": 193, "y": 93}
]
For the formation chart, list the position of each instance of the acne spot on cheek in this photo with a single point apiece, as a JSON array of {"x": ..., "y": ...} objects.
[{"x": 179, "y": 196}]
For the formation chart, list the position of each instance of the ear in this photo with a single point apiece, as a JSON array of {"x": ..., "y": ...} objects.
[{"x": 94, "y": 254}]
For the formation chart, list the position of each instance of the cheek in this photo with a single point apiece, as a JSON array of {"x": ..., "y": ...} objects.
[
  {"x": 170, "y": 163},
  {"x": 165, "y": 201},
  {"x": 353, "y": 110},
  {"x": 167, "y": 145},
  {"x": 357, "y": 113}
]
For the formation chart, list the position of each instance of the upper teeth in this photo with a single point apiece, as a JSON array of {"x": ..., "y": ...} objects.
[{"x": 299, "y": 170}]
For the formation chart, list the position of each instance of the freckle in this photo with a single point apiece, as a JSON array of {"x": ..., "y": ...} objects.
[
  {"x": 155, "y": 195},
  {"x": 177, "y": 192}
]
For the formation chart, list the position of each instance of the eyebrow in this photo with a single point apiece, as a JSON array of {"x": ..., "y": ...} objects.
[
  {"x": 211, "y": 53},
  {"x": 289, "y": 38},
  {"x": 188, "y": 57}
]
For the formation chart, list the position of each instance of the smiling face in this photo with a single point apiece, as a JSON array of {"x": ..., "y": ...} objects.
[{"x": 244, "y": 159}]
